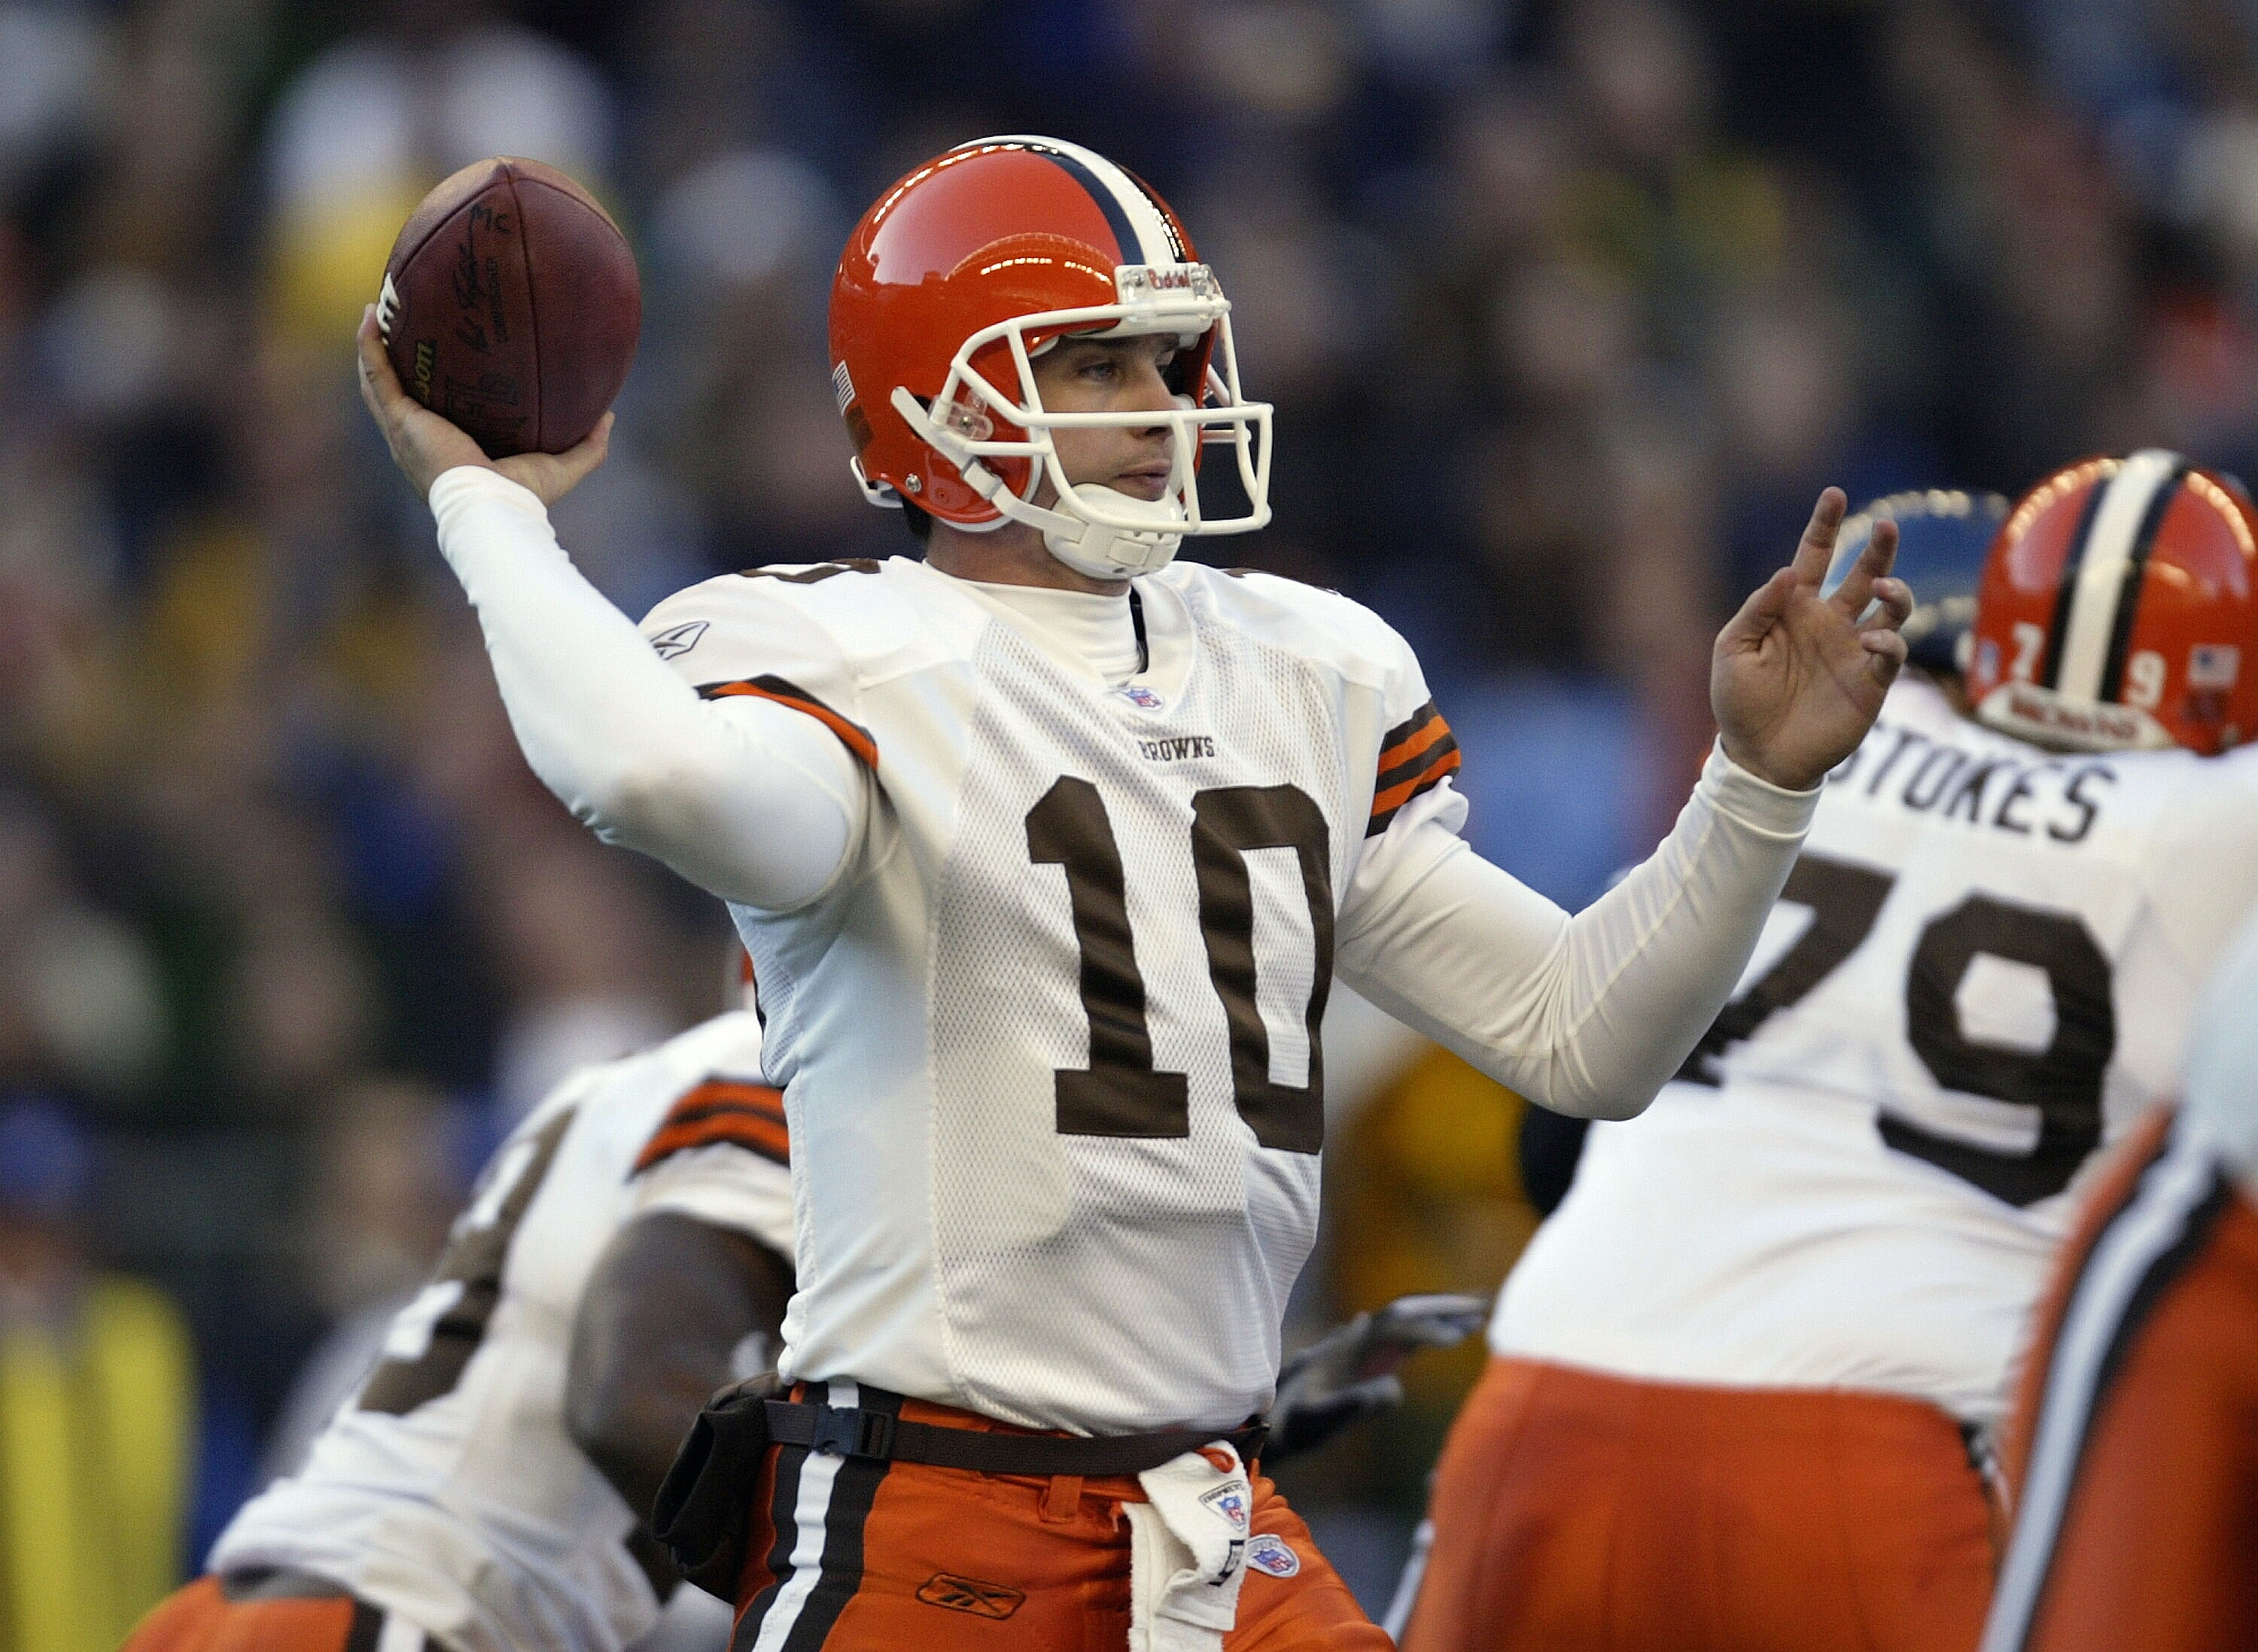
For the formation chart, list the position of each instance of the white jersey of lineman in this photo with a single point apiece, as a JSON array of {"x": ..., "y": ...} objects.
[
  {"x": 447, "y": 1491},
  {"x": 1982, "y": 967},
  {"x": 1046, "y": 1039}
]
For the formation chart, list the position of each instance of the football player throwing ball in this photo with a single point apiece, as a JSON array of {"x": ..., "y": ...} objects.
[{"x": 1048, "y": 848}]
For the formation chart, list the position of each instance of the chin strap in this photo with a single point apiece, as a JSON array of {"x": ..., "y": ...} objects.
[
  {"x": 1119, "y": 553},
  {"x": 1088, "y": 547}
]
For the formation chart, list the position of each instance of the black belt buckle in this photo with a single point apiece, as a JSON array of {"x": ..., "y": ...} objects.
[{"x": 853, "y": 1431}]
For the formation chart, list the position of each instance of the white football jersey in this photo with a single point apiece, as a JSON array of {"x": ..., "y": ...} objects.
[
  {"x": 1982, "y": 969},
  {"x": 1047, "y": 1039},
  {"x": 447, "y": 1490}
]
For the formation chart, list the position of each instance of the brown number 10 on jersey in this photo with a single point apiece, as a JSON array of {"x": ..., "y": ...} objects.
[{"x": 1120, "y": 1093}]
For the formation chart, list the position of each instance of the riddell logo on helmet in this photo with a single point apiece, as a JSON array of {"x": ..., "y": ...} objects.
[
  {"x": 1142, "y": 283},
  {"x": 2114, "y": 725}
]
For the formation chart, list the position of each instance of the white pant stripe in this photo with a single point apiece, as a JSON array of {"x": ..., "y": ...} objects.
[
  {"x": 818, "y": 1471},
  {"x": 2170, "y": 1191}
]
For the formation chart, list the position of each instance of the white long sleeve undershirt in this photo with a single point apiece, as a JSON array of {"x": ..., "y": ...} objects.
[
  {"x": 759, "y": 803},
  {"x": 1587, "y": 1014}
]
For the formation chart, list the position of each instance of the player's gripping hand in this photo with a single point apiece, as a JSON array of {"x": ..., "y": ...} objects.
[
  {"x": 1797, "y": 678},
  {"x": 424, "y": 445},
  {"x": 1349, "y": 1373}
]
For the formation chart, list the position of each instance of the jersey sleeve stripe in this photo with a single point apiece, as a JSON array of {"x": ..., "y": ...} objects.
[
  {"x": 1395, "y": 746},
  {"x": 1415, "y": 755},
  {"x": 1445, "y": 761},
  {"x": 853, "y": 735},
  {"x": 1435, "y": 744},
  {"x": 729, "y": 1092},
  {"x": 769, "y": 1140},
  {"x": 716, "y": 1109},
  {"x": 721, "y": 1112}
]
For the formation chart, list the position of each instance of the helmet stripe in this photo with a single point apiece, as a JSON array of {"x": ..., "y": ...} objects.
[
  {"x": 1177, "y": 251},
  {"x": 2095, "y": 587},
  {"x": 1140, "y": 226},
  {"x": 2065, "y": 595},
  {"x": 1125, "y": 234},
  {"x": 2128, "y": 597}
]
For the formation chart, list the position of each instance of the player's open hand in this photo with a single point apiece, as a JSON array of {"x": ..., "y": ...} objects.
[
  {"x": 1797, "y": 678},
  {"x": 424, "y": 445}
]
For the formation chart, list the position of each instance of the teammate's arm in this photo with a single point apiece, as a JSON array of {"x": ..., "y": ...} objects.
[
  {"x": 668, "y": 1303},
  {"x": 746, "y": 799}
]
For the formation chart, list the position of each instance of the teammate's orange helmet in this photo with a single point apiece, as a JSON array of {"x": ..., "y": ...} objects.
[
  {"x": 2117, "y": 610},
  {"x": 978, "y": 261}
]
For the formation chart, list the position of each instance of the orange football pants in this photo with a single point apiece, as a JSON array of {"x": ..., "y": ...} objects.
[
  {"x": 851, "y": 1554},
  {"x": 200, "y": 1617},
  {"x": 1581, "y": 1513},
  {"x": 2157, "y": 1546}
]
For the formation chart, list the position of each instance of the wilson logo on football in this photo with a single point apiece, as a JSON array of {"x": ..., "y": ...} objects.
[{"x": 969, "y": 1594}]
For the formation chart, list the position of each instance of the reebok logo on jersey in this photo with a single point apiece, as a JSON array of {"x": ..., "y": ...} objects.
[
  {"x": 1176, "y": 749},
  {"x": 1230, "y": 1502},
  {"x": 1271, "y": 1553},
  {"x": 969, "y": 1594},
  {"x": 676, "y": 640}
]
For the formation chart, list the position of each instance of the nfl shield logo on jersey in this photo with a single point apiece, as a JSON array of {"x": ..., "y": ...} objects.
[
  {"x": 1272, "y": 1554},
  {"x": 1230, "y": 1501},
  {"x": 1142, "y": 698}
]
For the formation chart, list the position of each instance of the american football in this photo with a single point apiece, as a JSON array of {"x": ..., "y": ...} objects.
[{"x": 511, "y": 305}]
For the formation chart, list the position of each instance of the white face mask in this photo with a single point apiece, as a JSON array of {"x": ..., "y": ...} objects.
[{"x": 1094, "y": 530}]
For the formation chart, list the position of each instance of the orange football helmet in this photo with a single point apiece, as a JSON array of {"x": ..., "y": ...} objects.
[
  {"x": 974, "y": 264},
  {"x": 2117, "y": 610}
]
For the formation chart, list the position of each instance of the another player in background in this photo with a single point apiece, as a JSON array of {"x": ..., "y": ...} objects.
[
  {"x": 2134, "y": 1446},
  {"x": 1746, "y": 1377},
  {"x": 486, "y": 1490},
  {"x": 1046, "y": 850}
]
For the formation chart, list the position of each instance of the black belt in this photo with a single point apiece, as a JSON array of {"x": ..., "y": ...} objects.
[
  {"x": 279, "y": 1582},
  {"x": 854, "y": 1431},
  {"x": 701, "y": 1514}
]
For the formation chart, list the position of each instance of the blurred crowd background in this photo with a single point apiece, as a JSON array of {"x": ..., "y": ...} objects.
[{"x": 1568, "y": 310}]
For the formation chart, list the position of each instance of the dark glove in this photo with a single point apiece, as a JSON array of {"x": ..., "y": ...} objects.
[{"x": 1349, "y": 1373}]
